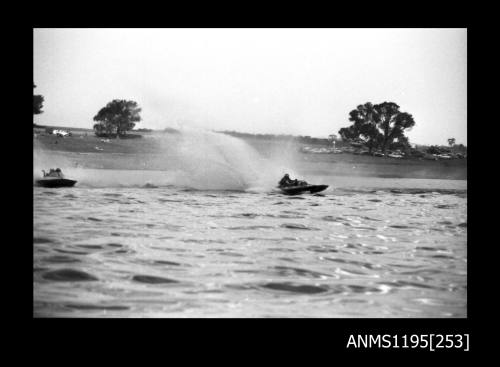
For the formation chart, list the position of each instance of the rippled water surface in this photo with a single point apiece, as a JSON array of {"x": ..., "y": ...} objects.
[{"x": 171, "y": 252}]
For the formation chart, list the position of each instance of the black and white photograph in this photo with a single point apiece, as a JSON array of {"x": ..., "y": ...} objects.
[{"x": 250, "y": 173}]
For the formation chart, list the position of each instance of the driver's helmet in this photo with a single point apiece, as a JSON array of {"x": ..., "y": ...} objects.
[{"x": 58, "y": 170}]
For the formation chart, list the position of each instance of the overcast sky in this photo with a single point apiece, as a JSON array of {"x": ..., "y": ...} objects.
[{"x": 290, "y": 81}]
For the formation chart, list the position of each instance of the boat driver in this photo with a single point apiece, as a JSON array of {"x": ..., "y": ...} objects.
[
  {"x": 286, "y": 181},
  {"x": 53, "y": 173}
]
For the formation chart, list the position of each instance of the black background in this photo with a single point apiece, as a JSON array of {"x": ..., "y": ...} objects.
[{"x": 236, "y": 341}]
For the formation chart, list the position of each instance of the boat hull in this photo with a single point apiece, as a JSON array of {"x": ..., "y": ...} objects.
[
  {"x": 57, "y": 182},
  {"x": 295, "y": 190}
]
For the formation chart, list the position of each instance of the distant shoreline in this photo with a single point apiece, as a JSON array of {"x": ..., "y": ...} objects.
[
  {"x": 242, "y": 135},
  {"x": 87, "y": 150}
]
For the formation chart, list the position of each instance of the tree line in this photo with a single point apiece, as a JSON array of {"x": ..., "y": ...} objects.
[
  {"x": 117, "y": 117},
  {"x": 37, "y": 103},
  {"x": 376, "y": 126},
  {"x": 380, "y": 126},
  {"x": 114, "y": 119}
]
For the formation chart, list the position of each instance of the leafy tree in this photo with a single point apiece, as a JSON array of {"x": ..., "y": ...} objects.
[
  {"x": 378, "y": 125},
  {"x": 401, "y": 143},
  {"x": 364, "y": 126},
  {"x": 348, "y": 133},
  {"x": 119, "y": 116},
  {"x": 101, "y": 129},
  {"x": 37, "y": 103},
  {"x": 451, "y": 142},
  {"x": 364, "y": 119}
]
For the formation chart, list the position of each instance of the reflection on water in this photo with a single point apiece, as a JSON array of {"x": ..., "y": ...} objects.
[{"x": 166, "y": 252}]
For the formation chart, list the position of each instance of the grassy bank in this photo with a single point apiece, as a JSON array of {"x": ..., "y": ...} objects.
[{"x": 84, "y": 149}]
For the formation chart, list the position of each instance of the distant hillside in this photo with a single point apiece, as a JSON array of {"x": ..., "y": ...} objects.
[
  {"x": 66, "y": 128},
  {"x": 279, "y": 137},
  {"x": 304, "y": 140}
]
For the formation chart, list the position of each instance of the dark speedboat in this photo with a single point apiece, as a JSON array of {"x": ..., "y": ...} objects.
[
  {"x": 295, "y": 190},
  {"x": 55, "y": 182},
  {"x": 54, "y": 178}
]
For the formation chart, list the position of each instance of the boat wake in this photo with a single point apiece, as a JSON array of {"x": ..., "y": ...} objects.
[{"x": 191, "y": 159}]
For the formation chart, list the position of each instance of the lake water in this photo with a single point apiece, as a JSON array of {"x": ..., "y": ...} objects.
[{"x": 366, "y": 247}]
